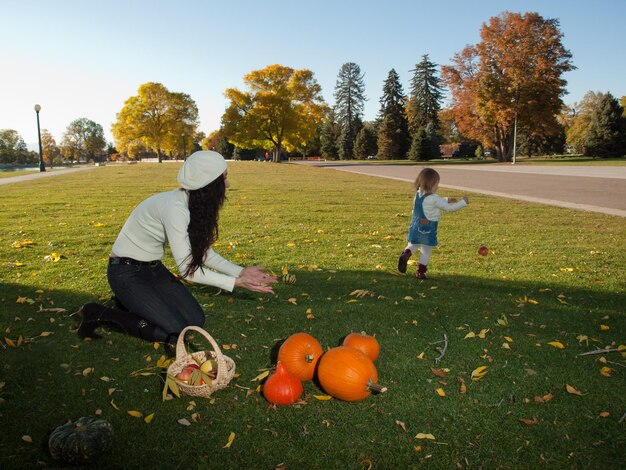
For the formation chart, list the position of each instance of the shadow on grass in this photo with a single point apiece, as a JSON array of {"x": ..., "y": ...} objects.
[{"x": 52, "y": 376}]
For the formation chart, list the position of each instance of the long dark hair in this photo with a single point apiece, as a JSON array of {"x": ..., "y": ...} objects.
[{"x": 204, "y": 209}]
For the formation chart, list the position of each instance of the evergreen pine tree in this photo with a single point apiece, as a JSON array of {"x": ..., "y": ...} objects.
[
  {"x": 606, "y": 131},
  {"x": 329, "y": 137},
  {"x": 393, "y": 133},
  {"x": 349, "y": 103},
  {"x": 425, "y": 96},
  {"x": 421, "y": 149},
  {"x": 365, "y": 142}
]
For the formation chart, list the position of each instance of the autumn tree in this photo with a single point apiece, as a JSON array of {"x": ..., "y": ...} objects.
[
  {"x": 280, "y": 110},
  {"x": 393, "y": 132},
  {"x": 605, "y": 137},
  {"x": 514, "y": 75},
  {"x": 158, "y": 119},
  {"x": 50, "y": 150},
  {"x": 349, "y": 103},
  {"x": 577, "y": 120},
  {"x": 83, "y": 139}
]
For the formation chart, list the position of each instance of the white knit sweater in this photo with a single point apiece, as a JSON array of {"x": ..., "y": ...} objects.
[{"x": 161, "y": 219}]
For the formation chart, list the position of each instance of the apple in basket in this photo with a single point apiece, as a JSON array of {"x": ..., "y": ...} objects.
[{"x": 185, "y": 374}]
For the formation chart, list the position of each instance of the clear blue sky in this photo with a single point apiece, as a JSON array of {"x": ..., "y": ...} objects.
[{"x": 84, "y": 58}]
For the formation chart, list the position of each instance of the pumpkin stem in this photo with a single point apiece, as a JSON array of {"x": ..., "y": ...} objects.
[
  {"x": 375, "y": 388},
  {"x": 309, "y": 358}
]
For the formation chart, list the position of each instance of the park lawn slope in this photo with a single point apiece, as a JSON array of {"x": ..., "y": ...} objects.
[{"x": 551, "y": 288}]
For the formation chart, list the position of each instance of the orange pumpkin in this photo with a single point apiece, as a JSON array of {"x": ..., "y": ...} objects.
[
  {"x": 300, "y": 354},
  {"x": 364, "y": 343},
  {"x": 348, "y": 374},
  {"x": 282, "y": 388}
]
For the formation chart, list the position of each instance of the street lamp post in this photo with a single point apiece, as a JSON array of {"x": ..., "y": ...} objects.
[{"x": 42, "y": 167}]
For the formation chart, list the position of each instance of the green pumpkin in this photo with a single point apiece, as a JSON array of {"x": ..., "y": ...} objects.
[{"x": 81, "y": 441}]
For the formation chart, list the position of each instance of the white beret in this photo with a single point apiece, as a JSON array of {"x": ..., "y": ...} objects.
[{"x": 200, "y": 169}]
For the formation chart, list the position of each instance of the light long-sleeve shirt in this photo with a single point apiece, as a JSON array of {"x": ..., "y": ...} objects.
[
  {"x": 434, "y": 204},
  {"x": 162, "y": 219}
]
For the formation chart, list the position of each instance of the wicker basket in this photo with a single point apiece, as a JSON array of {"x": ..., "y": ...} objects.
[{"x": 225, "y": 365}]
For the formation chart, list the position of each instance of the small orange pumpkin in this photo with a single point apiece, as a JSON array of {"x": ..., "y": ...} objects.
[
  {"x": 348, "y": 374},
  {"x": 364, "y": 343},
  {"x": 300, "y": 354},
  {"x": 282, "y": 388}
]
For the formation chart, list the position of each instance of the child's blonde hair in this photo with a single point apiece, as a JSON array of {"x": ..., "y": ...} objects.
[{"x": 426, "y": 180}]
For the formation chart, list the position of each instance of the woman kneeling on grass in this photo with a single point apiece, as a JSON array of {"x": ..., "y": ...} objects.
[{"x": 151, "y": 303}]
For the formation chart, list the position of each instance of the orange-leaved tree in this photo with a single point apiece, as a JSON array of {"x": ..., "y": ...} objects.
[
  {"x": 512, "y": 79},
  {"x": 282, "y": 109}
]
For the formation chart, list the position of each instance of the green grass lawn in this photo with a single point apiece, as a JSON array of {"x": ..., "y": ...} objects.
[{"x": 552, "y": 275}]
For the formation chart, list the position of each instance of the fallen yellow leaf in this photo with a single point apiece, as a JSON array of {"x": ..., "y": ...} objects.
[
  {"x": 149, "y": 418},
  {"x": 322, "y": 397},
  {"x": 604, "y": 327},
  {"x": 572, "y": 390},
  {"x": 557, "y": 344},
  {"x": 441, "y": 392},
  {"x": 231, "y": 438},
  {"x": 606, "y": 371},
  {"x": 421, "y": 435},
  {"x": 479, "y": 373},
  {"x": 509, "y": 339},
  {"x": 135, "y": 414}
]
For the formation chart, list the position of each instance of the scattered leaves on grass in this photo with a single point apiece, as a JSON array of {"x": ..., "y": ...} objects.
[
  {"x": 462, "y": 386},
  {"x": 438, "y": 372},
  {"x": 479, "y": 373},
  {"x": 529, "y": 422},
  {"x": 557, "y": 344},
  {"x": 322, "y": 397},
  {"x": 572, "y": 390},
  {"x": 583, "y": 338},
  {"x": 422, "y": 435},
  {"x": 604, "y": 327},
  {"x": 261, "y": 376},
  {"x": 15, "y": 344},
  {"x": 543, "y": 399},
  {"x": 24, "y": 300},
  {"x": 184, "y": 422},
  {"x": 231, "y": 438},
  {"x": 441, "y": 392},
  {"x": 27, "y": 438},
  {"x": 402, "y": 425},
  {"x": 606, "y": 371},
  {"x": 135, "y": 414},
  {"x": 53, "y": 257},
  {"x": 148, "y": 419}
]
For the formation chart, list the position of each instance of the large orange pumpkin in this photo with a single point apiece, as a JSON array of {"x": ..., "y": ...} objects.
[
  {"x": 364, "y": 343},
  {"x": 348, "y": 374},
  {"x": 300, "y": 354}
]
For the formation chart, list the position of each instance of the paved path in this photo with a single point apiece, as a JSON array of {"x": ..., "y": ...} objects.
[
  {"x": 36, "y": 175},
  {"x": 591, "y": 188}
]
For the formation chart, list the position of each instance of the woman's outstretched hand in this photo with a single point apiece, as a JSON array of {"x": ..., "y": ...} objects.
[{"x": 255, "y": 279}]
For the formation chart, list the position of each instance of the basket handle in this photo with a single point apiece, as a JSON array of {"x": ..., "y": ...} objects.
[{"x": 181, "y": 351}]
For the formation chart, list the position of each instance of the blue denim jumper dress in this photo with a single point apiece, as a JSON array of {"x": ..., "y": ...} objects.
[{"x": 422, "y": 231}]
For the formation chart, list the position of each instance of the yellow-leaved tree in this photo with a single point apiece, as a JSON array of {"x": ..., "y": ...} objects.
[
  {"x": 158, "y": 119},
  {"x": 281, "y": 110}
]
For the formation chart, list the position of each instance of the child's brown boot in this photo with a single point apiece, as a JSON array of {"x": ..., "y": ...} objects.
[
  {"x": 421, "y": 271},
  {"x": 403, "y": 260}
]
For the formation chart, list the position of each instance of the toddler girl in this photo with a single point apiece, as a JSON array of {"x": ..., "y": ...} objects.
[{"x": 426, "y": 214}]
